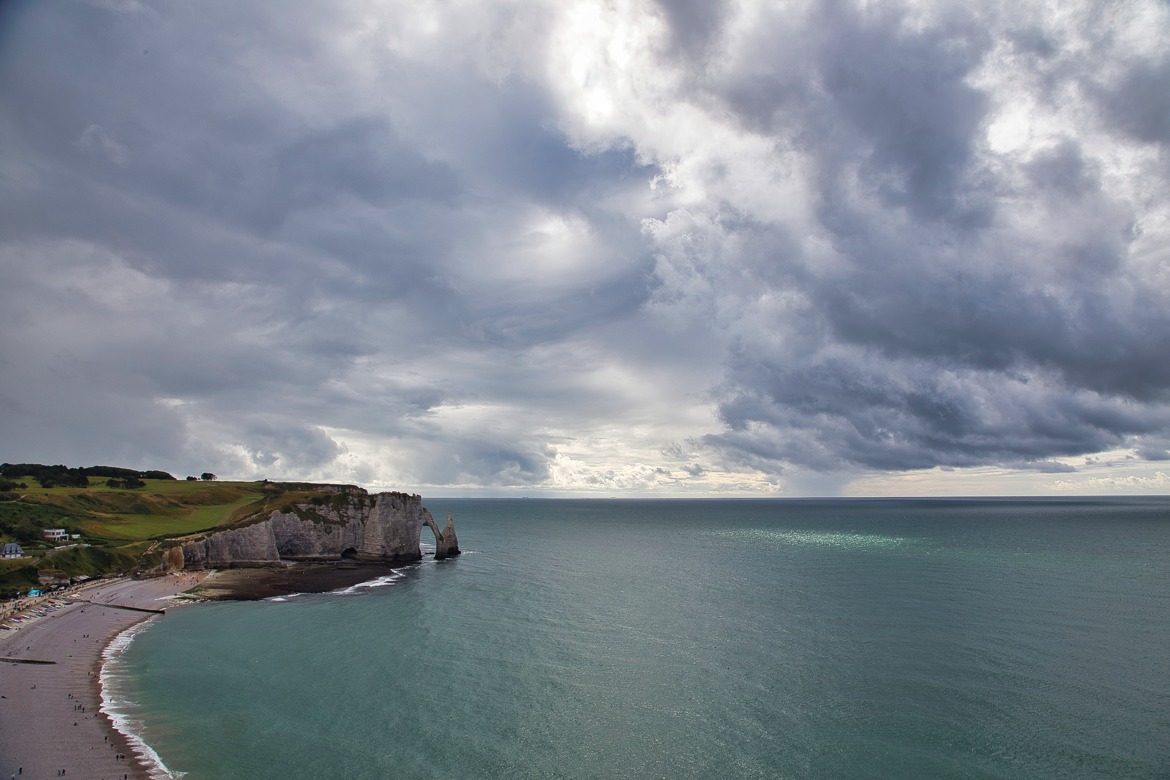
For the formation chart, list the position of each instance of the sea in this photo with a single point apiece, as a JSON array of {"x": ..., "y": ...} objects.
[{"x": 612, "y": 638}]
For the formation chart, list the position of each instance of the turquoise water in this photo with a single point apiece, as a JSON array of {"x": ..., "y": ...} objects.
[{"x": 697, "y": 639}]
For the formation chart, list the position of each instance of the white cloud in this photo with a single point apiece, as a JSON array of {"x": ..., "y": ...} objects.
[
  {"x": 1159, "y": 482},
  {"x": 600, "y": 246}
]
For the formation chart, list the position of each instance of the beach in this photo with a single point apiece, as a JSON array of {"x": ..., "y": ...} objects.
[{"x": 50, "y": 713}]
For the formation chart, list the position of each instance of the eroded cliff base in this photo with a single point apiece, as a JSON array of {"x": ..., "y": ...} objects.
[{"x": 335, "y": 523}]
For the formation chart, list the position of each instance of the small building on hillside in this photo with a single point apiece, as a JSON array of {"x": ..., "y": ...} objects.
[
  {"x": 56, "y": 534},
  {"x": 12, "y": 550}
]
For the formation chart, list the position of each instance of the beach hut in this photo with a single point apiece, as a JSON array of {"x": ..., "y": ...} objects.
[{"x": 34, "y": 592}]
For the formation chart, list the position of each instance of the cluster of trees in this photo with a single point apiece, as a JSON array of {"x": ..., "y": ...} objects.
[
  {"x": 114, "y": 472},
  {"x": 48, "y": 476},
  {"x": 206, "y": 476},
  {"x": 129, "y": 483},
  {"x": 7, "y": 485},
  {"x": 63, "y": 476}
]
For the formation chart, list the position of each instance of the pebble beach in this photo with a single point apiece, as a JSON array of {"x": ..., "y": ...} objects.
[{"x": 51, "y": 723}]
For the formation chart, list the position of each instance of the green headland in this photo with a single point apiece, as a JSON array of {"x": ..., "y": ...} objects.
[{"x": 115, "y": 520}]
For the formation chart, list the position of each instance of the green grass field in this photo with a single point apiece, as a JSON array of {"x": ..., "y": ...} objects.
[
  {"x": 162, "y": 508},
  {"x": 120, "y": 525},
  {"x": 154, "y": 525}
]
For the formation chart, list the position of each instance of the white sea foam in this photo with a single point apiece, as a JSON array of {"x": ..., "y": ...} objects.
[
  {"x": 387, "y": 579},
  {"x": 285, "y": 597},
  {"x": 116, "y": 704}
]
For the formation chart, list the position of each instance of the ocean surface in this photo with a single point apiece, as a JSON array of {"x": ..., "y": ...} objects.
[{"x": 1006, "y": 638}]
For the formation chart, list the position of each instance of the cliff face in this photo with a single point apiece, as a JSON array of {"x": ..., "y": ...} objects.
[{"x": 383, "y": 527}]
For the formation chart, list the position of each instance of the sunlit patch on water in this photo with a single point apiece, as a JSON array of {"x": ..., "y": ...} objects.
[{"x": 840, "y": 540}]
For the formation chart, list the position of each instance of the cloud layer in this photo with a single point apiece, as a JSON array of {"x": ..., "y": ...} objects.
[{"x": 647, "y": 246}]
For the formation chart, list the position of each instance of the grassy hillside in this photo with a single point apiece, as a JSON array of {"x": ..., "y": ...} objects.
[{"x": 121, "y": 529}]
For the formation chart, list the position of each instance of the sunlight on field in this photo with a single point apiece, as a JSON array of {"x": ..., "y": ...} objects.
[
  {"x": 145, "y": 526},
  {"x": 161, "y": 508}
]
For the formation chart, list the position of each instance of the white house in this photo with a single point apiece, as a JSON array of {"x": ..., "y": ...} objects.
[{"x": 56, "y": 534}]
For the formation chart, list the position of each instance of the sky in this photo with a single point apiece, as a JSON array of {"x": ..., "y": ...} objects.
[{"x": 591, "y": 247}]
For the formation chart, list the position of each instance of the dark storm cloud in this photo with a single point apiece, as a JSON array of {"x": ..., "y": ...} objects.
[
  {"x": 513, "y": 143},
  {"x": 494, "y": 463},
  {"x": 295, "y": 447},
  {"x": 897, "y": 110},
  {"x": 214, "y": 218},
  {"x": 361, "y": 158},
  {"x": 694, "y": 24},
  {"x": 894, "y": 415},
  {"x": 1139, "y": 104},
  {"x": 859, "y": 237},
  {"x": 939, "y": 331}
]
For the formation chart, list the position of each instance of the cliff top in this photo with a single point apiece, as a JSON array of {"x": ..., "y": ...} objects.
[{"x": 122, "y": 529}]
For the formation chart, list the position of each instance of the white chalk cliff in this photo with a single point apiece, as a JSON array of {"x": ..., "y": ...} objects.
[{"x": 334, "y": 525}]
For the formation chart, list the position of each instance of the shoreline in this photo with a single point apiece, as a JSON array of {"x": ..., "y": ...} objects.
[
  {"x": 53, "y": 711},
  {"x": 149, "y": 761},
  {"x": 52, "y": 714},
  {"x": 256, "y": 584}
]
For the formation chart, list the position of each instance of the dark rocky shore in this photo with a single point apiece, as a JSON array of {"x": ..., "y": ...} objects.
[{"x": 264, "y": 583}]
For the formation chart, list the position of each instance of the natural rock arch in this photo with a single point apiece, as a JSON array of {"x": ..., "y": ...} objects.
[
  {"x": 384, "y": 527},
  {"x": 446, "y": 545}
]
